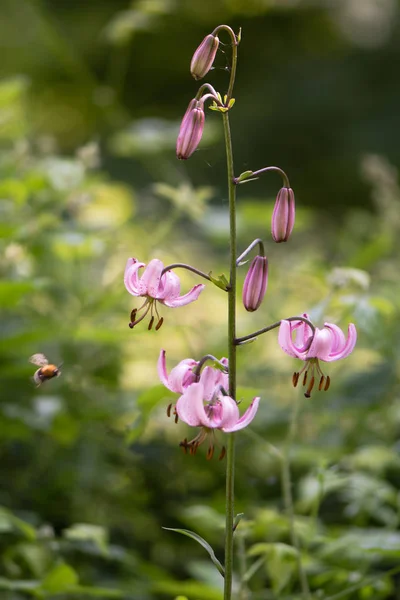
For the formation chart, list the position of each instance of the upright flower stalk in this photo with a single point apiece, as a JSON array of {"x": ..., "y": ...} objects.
[{"x": 208, "y": 399}]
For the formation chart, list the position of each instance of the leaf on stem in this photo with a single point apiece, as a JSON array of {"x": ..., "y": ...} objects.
[
  {"x": 220, "y": 281},
  {"x": 203, "y": 543}
]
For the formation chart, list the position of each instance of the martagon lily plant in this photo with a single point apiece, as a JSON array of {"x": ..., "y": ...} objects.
[{"x": 206, "y": 388}]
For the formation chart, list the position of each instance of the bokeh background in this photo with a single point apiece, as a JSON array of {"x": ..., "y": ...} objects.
[{"x": 91, "y": 97}]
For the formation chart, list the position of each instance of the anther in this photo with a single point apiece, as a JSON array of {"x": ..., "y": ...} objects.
[
  {"x": 160, "y": 322},
  {"x": 151, "y": 323},
  {"x": 295, "y": 379},
  {"x": 305, "y": 378},
  {"x": 184, "y": 444},
  {"x": 176, "y": 417},
  {"x": 169, "y": 407},
  {"x": 327, "y": 384},
  {"x": 210, "y": 452},
  {"x": 223, "y": 452},
  {"x": 133, "y": 314},
  {"x": 321, "y": 383},
  {"x": 310, "y": 387}
]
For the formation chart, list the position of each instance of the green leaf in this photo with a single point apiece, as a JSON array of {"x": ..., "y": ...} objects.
[
  {"x": 60, "y": 579},
  {"x": 243, "y": 176},
  {"x": 87, "y": 532},
  {"x": 203, "y": 543},
  {"x": 281, "y": 562},
  {"x": 220, "y": 281},
  {"x": 9, "y": 522}
]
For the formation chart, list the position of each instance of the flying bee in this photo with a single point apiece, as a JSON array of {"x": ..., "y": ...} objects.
[{"x": 46, "y": 370}]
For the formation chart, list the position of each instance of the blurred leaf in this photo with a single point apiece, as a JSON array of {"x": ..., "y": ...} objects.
[
  {"x": 87, "y": 532},
  {"x": 60, "y": 579},
  {"x": 9, "y": 522},
  {"x": 281, "y": 562},
  {"x": 13, "y": 122}
]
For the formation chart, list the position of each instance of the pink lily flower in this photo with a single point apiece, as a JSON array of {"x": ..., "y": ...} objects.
[
  {"x": 196, "y": 409},
  {"x": 327, "y": 344},
  {"x": 155, "y": 287},
  {"x": 183, "y": 375}
]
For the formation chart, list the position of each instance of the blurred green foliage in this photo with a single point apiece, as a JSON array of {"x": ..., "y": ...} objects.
[{"x": 91, "y": 95}]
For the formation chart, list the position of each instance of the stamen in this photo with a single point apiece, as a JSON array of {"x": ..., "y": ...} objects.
[
  {"x": 133, "y": 323},
  {"x": 210, "y": 452},
  {"x": 169, "y": 407},
  {"x": 295, "y": 379},
  {"x": 223, "y": 452},
  {"x": 160, "y": 322},
  {"x": 327, "y": 384},
  {"x": 305, "y": 378},
  {"x": 321, "y": 383},
  {"x": 176, "y": 417},
  {"x": 133, "y": 314},
  {"x": 310, "y": 387},
  {"x": 183, "y": 445},
  {"x": 151, "y": 323}
]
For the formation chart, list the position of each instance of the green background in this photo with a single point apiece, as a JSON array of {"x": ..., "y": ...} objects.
[{"x": 91, "y": 97}]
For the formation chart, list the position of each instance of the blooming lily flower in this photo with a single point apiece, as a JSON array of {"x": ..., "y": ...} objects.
[
  {"x": 195, "y": 408},
  {"x": 155, "y": 287},
  {"x": 183, "y": 375},
  {"x": 327, "y": 344}
]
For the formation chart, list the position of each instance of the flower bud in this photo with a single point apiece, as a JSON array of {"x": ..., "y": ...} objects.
[
  {"x": 191, "y": 130},
  {"x": 283, "y": 215},
  {"x": 204, "y": 56},
  {"x": 255, "y": 284}
]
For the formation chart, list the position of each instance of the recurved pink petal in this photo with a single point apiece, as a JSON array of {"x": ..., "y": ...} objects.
[
  {"x": 162, "y": 369},
  {"x": 190, "y": 405},
  {"x": 150, "y": 280},
  {"x": 170, "y": 286},
  {"x": 230, "y": 413},
  {"x": 131, "y": 278},
  {"x": 321, "y": 345},
  {"x": 338, "y": 337},
  {"x": 303, "y": 333},
  {"x": 348, "y": 346},
  {"x": 286, "y": 342},
  {"x": 211, "y": 382},
  {"x": 187, "y": 298},
  {"x": 182, "y": 375},
  {"x": 245, "y": 419}
]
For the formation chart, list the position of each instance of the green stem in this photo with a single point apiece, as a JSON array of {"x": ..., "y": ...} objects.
[
  {"x": 230, "y": 457},
  {"x": 288, "y": 499}
]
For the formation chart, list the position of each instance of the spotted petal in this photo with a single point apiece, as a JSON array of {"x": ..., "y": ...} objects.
[
  {"x": 188, "y": 404},
  {"x": 150, "y": 280}
]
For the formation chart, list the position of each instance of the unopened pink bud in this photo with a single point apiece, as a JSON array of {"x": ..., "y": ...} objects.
[
  {"x": 255, "y": 284},
  {"x": 283, "y": 215},
  {"x": 191, "y": 130},
  {"x": 204, "y": 56}
]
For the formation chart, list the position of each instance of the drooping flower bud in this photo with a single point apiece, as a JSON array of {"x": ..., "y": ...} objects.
[
  {"x": 191, "y": 130},
  {"x": 283, "y": 215},
  {"x": 255, "y": 284},
  {"x": 204, "y": 56}
]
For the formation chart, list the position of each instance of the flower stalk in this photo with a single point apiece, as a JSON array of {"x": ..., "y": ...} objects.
[{"x": 230, "y": 455}]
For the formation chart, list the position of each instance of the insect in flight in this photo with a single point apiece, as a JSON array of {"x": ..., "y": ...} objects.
[{"x": 46, "y": 370}]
